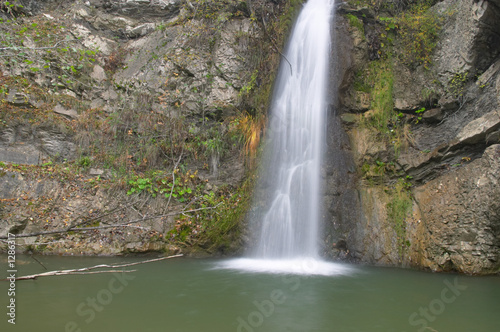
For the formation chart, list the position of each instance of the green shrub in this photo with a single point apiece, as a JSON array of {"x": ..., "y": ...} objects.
[
  {"x": 355, "y": 22},
  {"x": 418, "y": 30},
  {"x": 398, "y": 210},
  {"x": 380, "y": 78},
  {"x": 182, "y": 186},
  {"x": 84, "y": 161},
  {"x": 456, "y": 84}
]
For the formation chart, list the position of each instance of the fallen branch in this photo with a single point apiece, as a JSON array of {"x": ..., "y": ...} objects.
[
  {"x": 68, "y": 272},
  {"x": 85, "y": 270},
  {"x": 33, "y": 244},
  {"x": 147, "y": 218}
]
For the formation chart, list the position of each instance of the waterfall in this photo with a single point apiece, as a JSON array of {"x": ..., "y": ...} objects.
[
  {"x": 289, "y": 226},
  {"x": 295, "y": 136}
]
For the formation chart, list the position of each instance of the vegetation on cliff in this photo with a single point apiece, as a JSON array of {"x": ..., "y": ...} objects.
[
  {"x": 417, "y": 90},
  {"x": 109, "y": 135}
]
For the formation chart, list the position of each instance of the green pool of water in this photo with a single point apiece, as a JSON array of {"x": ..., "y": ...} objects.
[{"x": 194, "y": 295}]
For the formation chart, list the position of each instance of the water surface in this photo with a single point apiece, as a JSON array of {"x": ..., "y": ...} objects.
[{"x": 193, "y": 295}]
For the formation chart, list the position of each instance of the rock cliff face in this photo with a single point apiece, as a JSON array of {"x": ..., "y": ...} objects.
[
  {"x": 427, "y": 174},
  {"x": 119, "y": 115}
]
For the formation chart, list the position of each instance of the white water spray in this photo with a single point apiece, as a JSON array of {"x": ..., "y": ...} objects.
[
  {"x": 298, "y": 113},
  {"x": 289, "y": 232}
]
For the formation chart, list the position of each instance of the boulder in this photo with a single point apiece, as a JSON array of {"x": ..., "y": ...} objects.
[
  {"x": 70, "y": 113},
  {"x": 141, "y": 9},
  {"x": 476, "y": 131},
  {"x": 141, "y": 30},
  {"x": 98, "y": 74}
]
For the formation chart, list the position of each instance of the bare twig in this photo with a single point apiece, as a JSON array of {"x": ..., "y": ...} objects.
[
  {"x": 152, "y": 217},
  {"x": 173, "y": 180},
  {"x": 84, "y": 229},
  {"x": 118, "y": 208},
  {"x": 274, "y": 44},
  {"x": 33, "y": 244},
  {"x": 36, "y": 260},
  {"x": 461, "y": 104}
]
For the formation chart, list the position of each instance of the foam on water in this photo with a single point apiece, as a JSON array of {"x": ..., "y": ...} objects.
[{"x": 300, "y": 266}]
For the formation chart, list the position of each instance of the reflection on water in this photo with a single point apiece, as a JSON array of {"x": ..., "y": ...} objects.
[{"x": 197, "y": 295}]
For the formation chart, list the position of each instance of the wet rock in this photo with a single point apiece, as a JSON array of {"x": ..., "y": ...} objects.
[
  {"x": 449, "y": 155},
  {"x": 469, "y": 39},
  {"x": 349, "y": 118},
  {"x": 488, "y": 75},
  {"x": 366, "y": 148},
  {"x": 408, "y": 98}
]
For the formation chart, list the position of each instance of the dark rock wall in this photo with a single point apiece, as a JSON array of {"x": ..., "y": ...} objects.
[
  {"x": 449, "y": 166},
  {"x": 341, "y": 201}
]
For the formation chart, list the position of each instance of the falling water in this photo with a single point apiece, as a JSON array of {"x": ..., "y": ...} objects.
[
  {"x": 289, "y": 231},
  {"x": 290, "y": 227}
]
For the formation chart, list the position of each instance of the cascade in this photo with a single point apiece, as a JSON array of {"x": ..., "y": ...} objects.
[
  {"x": 289, "y": 228},
  {"x": 295, "y": 135}
]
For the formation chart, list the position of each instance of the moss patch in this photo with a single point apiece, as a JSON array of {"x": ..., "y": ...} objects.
[
  {"x": 355, "y": 22},
  {"x": 398, "y": 209}
]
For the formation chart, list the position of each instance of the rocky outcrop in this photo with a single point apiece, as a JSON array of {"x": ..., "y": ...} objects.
[
  {"x": 106, "y": 93},
  {"x": 140, "y": 8},
  {"x": 45, "y": 202},
  {"x": 438, "y": 165},
  {"x": 27, "y": 144},
  {"x": 457, "y": 226},
  {"x": 113, "y": 92}
]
